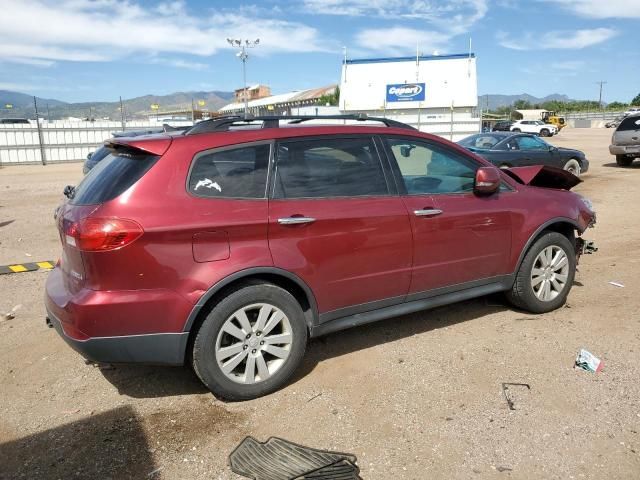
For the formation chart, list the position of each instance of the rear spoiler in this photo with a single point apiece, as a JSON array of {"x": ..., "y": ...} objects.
[
  {"x": 543, "y": 176},
  {"x": 154, "y": 145}
]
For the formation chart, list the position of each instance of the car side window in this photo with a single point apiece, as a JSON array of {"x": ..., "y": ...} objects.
[
  {"x": 629, "y": 123},
  {"x": 531, "y": 143},
  {"x": 328, "y": 167},
  {"x": 239, "y": 172},
  {"x": 428, "y": 168}
]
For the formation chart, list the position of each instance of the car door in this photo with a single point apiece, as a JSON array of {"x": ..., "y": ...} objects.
[
  {"x": 532, "y": 150},
  {"x": 459, "y": 237},
  {"x": 336, "y": 222}
]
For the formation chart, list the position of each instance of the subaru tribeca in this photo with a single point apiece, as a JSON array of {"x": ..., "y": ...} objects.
[{"x": 227, "y": 246}]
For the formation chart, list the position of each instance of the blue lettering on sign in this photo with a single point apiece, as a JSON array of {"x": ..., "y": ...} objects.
[{"x": 406, "y": 92}]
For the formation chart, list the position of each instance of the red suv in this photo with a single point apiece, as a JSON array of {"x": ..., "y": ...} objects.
[{"x": 227, "y": 246}]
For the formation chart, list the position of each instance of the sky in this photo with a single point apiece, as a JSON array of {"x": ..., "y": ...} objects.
[{"x": 97, "y": 50}]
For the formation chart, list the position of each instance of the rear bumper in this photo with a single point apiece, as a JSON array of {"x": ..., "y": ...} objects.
[
  {"x": 155, "y": 348},
  {"x": 625, "y": 150}
]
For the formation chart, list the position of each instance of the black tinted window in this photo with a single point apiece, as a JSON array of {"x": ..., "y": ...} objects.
[
  {"x": 328, "y": 167},
  {"x": 430, "y": 168},
  {"x": 531, "y": 143},
  {"x": 234, "y": 173},
  {"x": 112, "y": 176},
  {"x": 483, "y": 140},
  {"x": 629, "y": 123}
]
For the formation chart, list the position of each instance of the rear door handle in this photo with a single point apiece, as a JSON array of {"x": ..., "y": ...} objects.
[
  {"x": 295, "y": 220},
  {"x": 427, "y": 212}
]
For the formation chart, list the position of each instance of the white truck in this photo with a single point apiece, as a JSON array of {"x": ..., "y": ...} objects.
[{"x": 537, "y": 127}]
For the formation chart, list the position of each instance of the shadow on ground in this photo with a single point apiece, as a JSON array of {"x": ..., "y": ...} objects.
[
  {"x": 140, "y": 381},
  {"x": 109, "y": 445},
  {"x": 634, "y": 165}
]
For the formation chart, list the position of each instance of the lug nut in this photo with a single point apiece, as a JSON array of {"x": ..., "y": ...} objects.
[
  {"x": 253, "y": 351},
  {"x": 248, "y": 335},
  {"x": 245, "y": 347},
  {"x": 262, "y": 342},
  {"x": 259, "y": 333}
]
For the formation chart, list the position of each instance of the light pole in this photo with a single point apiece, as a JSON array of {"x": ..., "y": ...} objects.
[{"x": 242, "y": 54}]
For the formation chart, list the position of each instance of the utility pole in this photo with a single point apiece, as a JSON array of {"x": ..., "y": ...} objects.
[
  {"x": 193, "y": 116},
  {"x": 243, "y": 55},
  {"x": 601, "y": 83},
  {"x": 40, "y": 140},
  {"x": 121, "y": 113}
]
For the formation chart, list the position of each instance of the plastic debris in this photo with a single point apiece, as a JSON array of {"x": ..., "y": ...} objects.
[
  {"x": 589, "y": 362},
  {"x": 12, "y": 314},
  {"x": 616, "y": 284}
]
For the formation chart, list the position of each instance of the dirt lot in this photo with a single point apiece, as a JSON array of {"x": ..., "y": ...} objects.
[{"x": 414, "y": 397}]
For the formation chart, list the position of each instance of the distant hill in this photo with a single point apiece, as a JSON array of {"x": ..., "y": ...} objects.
[
  {"x": 497, "y": 101},
  {"x": 134, "y": 107}
]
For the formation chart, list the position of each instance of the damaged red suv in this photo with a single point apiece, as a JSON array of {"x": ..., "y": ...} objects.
[{"x": 227, "y": 246}]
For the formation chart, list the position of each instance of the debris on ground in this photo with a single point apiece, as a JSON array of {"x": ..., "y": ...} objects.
[
  {"x": 505, "y": 391},
  {"x": 616, "y": 284},
  {"x": 279, "y": 459},
  {"x": 157, "y": 470},
  {"x": 10, "y": 315},
  {"x": 314, "y": 397},
  {"x": 587, "y": 361}
]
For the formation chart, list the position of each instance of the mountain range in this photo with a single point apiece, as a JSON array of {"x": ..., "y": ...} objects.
[
  {"x": 138, "y": 107},
  {"x": 23, "y": 107}
]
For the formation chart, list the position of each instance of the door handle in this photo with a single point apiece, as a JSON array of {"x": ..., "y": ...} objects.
[
  {"x": 295, "y": 220},
  {"x": 427, "y": 212}
]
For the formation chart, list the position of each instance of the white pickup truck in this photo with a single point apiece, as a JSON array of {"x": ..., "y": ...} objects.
[{"x": 537, "y": 127}]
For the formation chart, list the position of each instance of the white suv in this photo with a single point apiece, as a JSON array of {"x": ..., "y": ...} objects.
[{"x": 534, "y": 126}]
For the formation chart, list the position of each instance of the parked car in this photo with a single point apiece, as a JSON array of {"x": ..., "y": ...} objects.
[
  {"x": 534, "y": 126},
  {"x": 632, "y": 111},
  {"x": 614, "y": 123},
  {"x": 625, "y": 142},
  {"x": 508, "y": 149},
  {"x": 227, "y": 247},
  {"x": 94, "y": 157},
  {"x": 502, "y": 126},
  {"x": 13, "y": 121}
]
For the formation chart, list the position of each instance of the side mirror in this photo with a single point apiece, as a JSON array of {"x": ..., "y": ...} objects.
[
  {"x": 405, "y": 150},
  {"x": 89, "y": 155},
  {"x": 552, "y": 148},
  {"x": 69, "y": 191},
  {"x": 487, "y": 181}
]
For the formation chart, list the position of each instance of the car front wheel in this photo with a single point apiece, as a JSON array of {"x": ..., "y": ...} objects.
[
  {"x": 573, "y": 166},
  {"x": 623, "y": 160},
  {"x": 544, "y": 132},
  {"x": 251, "y": 342},
  {"x": 546, "y": 274}
]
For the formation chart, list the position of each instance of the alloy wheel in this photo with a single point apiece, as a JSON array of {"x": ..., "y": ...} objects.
[
  {"x": 550, "y": 273},
  {"x": 254, "y": 343}
]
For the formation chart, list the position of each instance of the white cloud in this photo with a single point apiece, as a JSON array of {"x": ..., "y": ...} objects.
[
  {"x": 568, "y": 65},
  {"x": 34, "y": 62},
  {"x": 179, "y": 63},
  {"x": 439, "y": 22},
  {"x": 601, "y": 8},
  {"x": 557, "y": 39},
  {"x": 84, "y": 30}
]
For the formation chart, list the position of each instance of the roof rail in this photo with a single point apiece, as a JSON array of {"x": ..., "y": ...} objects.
[{"x": 222, "y": 124}]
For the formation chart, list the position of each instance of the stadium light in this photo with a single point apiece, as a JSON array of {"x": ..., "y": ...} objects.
[{"x": 243, "y": 55}]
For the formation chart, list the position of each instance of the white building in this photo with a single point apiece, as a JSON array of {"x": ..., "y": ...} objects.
[{"x": 436, "y": 94}]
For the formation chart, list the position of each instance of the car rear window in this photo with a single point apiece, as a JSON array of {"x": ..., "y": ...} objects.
[
  {"x": 629, "y": 123},
  {"x": 112, "y": 176}
]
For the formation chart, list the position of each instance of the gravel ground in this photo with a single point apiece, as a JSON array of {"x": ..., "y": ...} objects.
[{"x": 414, "y": 397}]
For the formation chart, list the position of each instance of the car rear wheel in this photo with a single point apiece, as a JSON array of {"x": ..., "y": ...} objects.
[
  {"x": 516, "y": 130},
  {"x": 573, "y": 166},
  {"x": 623, "y": 160},
  {"x": 546, "y": 274},
  {"x": 544, "y": 132},
  {"x": 251, "y": 342}
]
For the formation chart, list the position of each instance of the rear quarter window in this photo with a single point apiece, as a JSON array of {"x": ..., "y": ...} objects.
[
  {"x": 629, "y": 123},
  {"x": 238, "y": 172},
  {"x": 112, "y": 176}
]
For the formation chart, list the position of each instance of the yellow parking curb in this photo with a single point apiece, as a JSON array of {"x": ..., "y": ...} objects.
[{"x": 27, "y": 267}]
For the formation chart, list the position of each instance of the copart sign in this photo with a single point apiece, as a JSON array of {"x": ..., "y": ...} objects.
[{"x": 406, "y": 92}]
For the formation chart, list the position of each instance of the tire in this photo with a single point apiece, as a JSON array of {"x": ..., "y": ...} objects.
[
  {"x": 573, "y": 166},
  {"x": 504, "y": 166},
  {"x": 545, "y": 133},
  {"x": 516, "y": 130},
  {"x": 623, "y": 160},
  {"x": 212, "y": 338},
  {"x": 523, "y": 294}
]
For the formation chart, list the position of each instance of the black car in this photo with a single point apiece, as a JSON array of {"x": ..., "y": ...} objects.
[
  {"x": 507, "y": 149},
  {"x": 502, "y": 126}
]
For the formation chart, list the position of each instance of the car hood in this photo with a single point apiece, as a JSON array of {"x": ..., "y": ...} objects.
[
  {"x": 544, "y": 176},
  {"x": 570, "y": 151}
]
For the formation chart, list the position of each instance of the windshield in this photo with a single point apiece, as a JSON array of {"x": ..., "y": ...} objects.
[{"x": 483, "y": 141}]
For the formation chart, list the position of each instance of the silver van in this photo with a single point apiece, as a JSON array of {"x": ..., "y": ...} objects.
[{"x": 625, "y": 142}]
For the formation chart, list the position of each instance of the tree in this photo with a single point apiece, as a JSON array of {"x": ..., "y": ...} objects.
[
  {"x": 330, "y": 99},
  {"x": 617, "y": 106},
  {"x": 636, "y": 100}
]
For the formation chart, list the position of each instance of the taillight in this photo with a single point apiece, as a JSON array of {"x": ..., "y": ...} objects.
[{"x": 101, "y": 234}]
